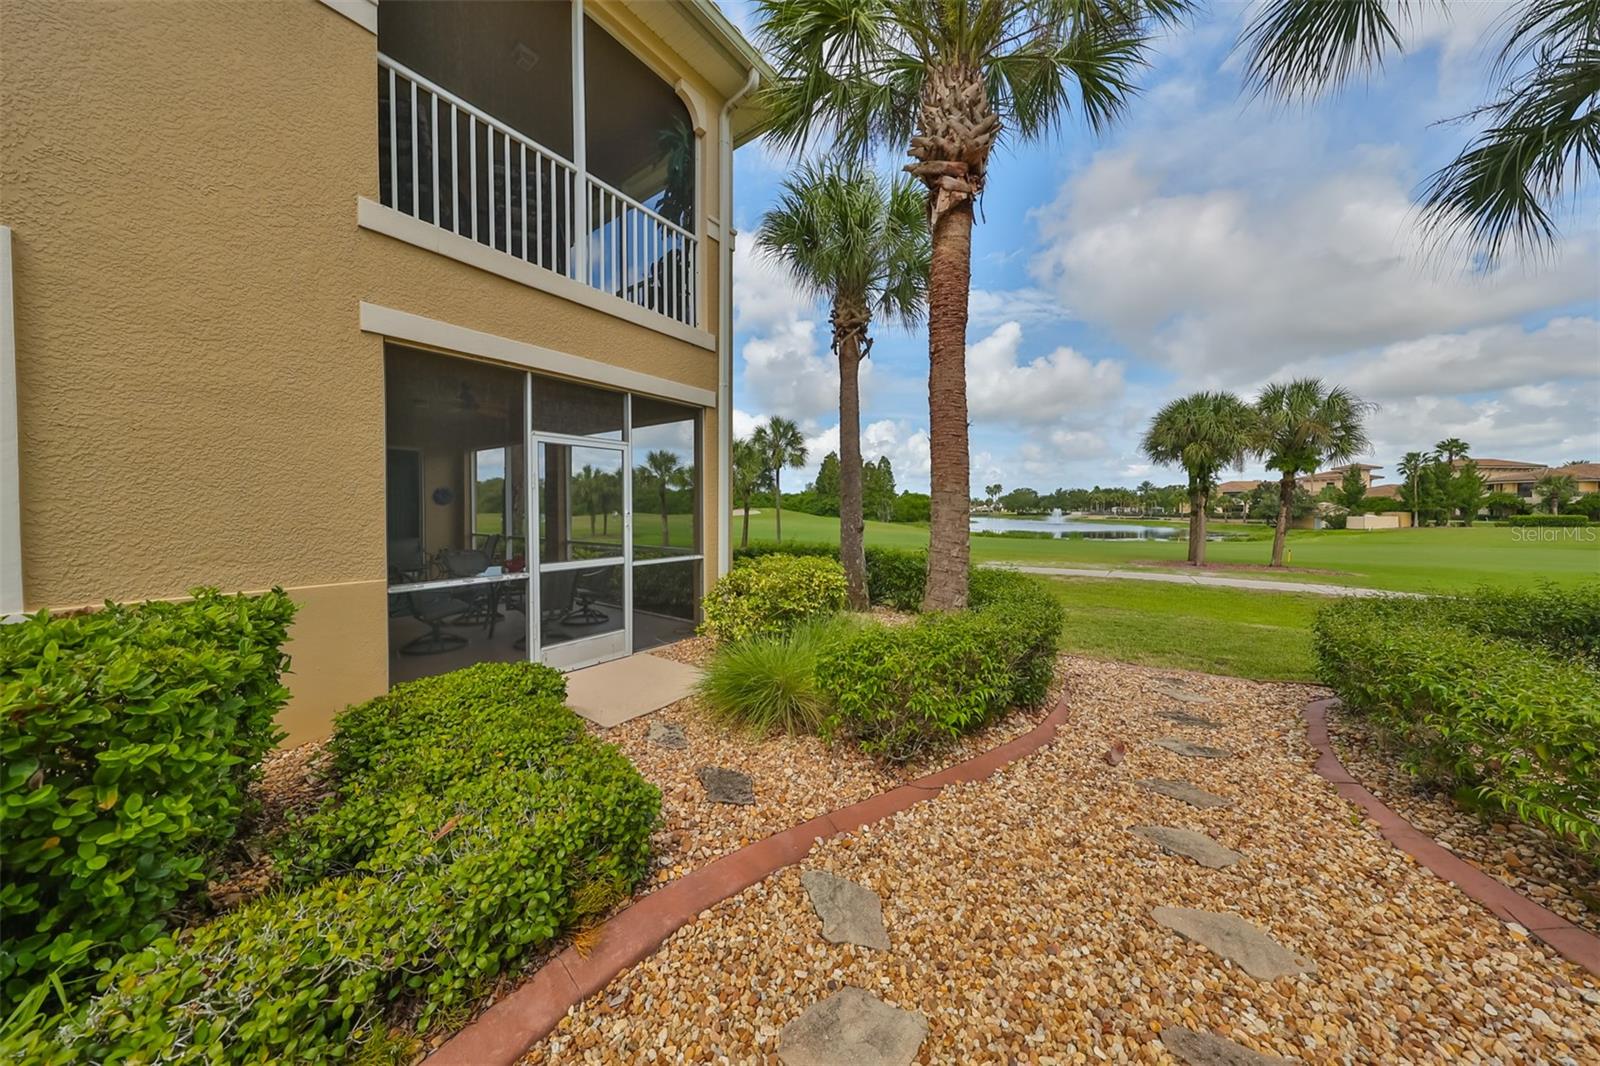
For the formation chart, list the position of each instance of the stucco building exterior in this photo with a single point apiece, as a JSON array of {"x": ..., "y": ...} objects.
[{"x": 418, "y": 310}]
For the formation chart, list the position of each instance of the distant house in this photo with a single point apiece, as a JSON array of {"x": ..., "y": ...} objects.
[
  {"x": 1314, "y": 483},
  {"x": 1520, "y": 481}
]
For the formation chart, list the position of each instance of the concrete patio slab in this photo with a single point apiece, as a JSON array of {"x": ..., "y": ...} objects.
[{"x": 623, "y": 689}]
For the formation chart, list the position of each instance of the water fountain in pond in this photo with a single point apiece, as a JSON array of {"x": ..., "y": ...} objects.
[{"x": 1055, "y": 514}]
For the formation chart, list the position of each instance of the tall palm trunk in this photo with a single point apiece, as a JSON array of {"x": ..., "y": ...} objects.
[
  {"x": 666, "y": 535},
  {"x": 744, "y": 537},
  {"x": 852, "y": 546},
  {"x": 949, "y": 544},
  {"x": 1197, "y": 527},
  {"x": 777, "y": 500},
  {"x": 1285, "y": 502}
]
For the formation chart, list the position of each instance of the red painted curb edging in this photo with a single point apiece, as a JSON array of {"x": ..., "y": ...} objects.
[
  {"x": 1576, "y": 944},
  {"x": 504, "y": 1032}
]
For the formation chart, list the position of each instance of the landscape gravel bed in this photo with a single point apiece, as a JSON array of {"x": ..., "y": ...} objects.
[
  {"x": 1522, "y": 856},
  {"x": 1019, "y": 912}
]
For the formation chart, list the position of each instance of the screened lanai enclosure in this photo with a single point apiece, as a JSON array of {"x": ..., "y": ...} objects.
[{"x": 609, "y": 482}]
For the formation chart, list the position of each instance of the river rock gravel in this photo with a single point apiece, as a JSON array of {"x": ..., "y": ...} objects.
[{"x": 1019, "y": 914}]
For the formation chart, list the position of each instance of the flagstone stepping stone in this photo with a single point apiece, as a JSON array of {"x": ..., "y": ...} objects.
[
  {"x": 727, "y": 786},
  {"x": 1193, "y": 751},
  {"x": 1209, "y": 1049},
  {"x": 1182, "y": 695},
  {"x": 852, "y": 1028},
  {"x": 1186, "y": 842},
  {"x": 668, "y": 735},
  {"x": 850, "y": 913},
  {"x": 1185, "y": 718},
  {"x": 1183, "y": 790},
  {"x": 1245, "y": 945}
]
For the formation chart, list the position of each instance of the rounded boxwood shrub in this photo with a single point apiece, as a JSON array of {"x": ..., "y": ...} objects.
[
  {"x": 129, "y": 737},
  {"x": 896, "y": 577},
  {"x": 901, "y": 691},
  {"x": 474, "y": 819},
  {"x": 771, "y": 594}
]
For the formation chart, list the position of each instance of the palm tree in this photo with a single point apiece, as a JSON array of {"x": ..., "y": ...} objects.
[
  {"x": 1203, "y": 433},
  {"x": 1412, "y": 464},
  {"x": 852, "y": 238},
  {"x": 665, "y": 472},
  {"x": 1304, "y": 424},
  {"x": 992, "y": 493},
  {"x": 1452, "y": 448},
  {"x": 749, "y": 470},
  {"x": 1146, "y": 490},
  {"x": 781, "y": 444},
  {"x": 1556, "y": 489},
  {"x": 946, "y": 79},
  {"x": 1538, "y": 137}
]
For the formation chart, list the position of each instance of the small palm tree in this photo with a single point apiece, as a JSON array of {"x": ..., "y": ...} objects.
[
  {"x": 1204, "y": 433},
  {"x": 1412, "y": 465},
  {"x": 1452, "y": 448},
  {"x": 858, "y": 241},
  {"x": 1555, "y": 490},
  {"x": 749, "y": 471},
  {"x": 781, "y": 444},
  {"x": 992, "y": 493},
  {"x": 1146, "y": 490},
  {"x": 664, "y": 471},
  {"x": 946, "y": 80},
  {"x": 1304, "y": 425},
  {"x": 1538, "y": 137}
]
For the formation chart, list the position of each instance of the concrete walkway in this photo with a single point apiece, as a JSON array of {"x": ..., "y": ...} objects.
[{"x": 1200, "y": 579}]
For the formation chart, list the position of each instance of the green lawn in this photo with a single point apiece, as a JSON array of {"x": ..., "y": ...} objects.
[
  {"x": 1413, "y": 560},
  {"x": 1260, "y": 635}
]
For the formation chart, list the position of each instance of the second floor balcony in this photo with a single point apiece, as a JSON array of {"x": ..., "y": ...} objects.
[{"x": 526, "y": 127}]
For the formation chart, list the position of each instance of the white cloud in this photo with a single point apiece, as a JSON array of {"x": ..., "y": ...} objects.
[
  {"x": 1043, "y": 390},
  {"x": 987, "y": 308},
  {"x": 1230, "y": 282}
]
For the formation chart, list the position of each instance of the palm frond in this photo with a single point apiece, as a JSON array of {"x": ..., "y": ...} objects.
[{"x": 1298, "y": 48}]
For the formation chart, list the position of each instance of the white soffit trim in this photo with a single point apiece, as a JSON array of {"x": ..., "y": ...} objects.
[
  {"x": 430, "y": 332},
  {"x": 363, "y": 13},
  {"x": 11, "y": 602},
  {"x": 373, "y": 216}
]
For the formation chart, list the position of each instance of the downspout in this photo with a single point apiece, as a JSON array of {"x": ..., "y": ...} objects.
[
  {"x": 11, "y": 605},
  {"x": 725, "y": 325}
]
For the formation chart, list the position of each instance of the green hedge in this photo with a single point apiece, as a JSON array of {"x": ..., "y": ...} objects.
[
  {"x": 1565, "y": 620},
  {"x": 899, "y": 691},
  {"x": 474, "y": 819},
  {"x": 1480, "y": 701},
  {"x": 896, "y": 577},
  {"x": 771, "y": 594},
  {"x": 1547, "y": 520},
  {"x": 129, "y": 737}
]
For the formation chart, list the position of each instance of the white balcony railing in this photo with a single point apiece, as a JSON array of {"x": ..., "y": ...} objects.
[{"x": 445, "y": 162}]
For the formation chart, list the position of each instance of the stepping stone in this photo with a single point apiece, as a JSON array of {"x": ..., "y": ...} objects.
[
  {"x": 852, "y": 1028},
  {"x": 1241, "y": 943},
  {"x": 1182, "y": 695},
  {"x": 1185, "y": 718},
  {"x": 1193, "y": 751},
  {"x": 1186, "y": 842},
  {"x": 850, "y": 913},
  {"x": 1209, "y": 1049},
  {"x": 1183, "y": 790},
  {"x": 668, "y": 735},
  {"x": 727, "y": 786}
]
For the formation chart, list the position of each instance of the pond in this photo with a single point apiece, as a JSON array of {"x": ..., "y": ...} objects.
[{"x": 1054, "y": 526}]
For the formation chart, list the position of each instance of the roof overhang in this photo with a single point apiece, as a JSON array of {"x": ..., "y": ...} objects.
[{"x": 699, "y": 32}]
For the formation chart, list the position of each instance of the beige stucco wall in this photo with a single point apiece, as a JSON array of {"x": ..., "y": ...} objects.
[{"x": 197, "y": 401}]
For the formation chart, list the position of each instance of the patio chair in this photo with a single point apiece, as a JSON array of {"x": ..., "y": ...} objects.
[
  {"x": 433, "y": 608},
  {"x": 587, "y": 589}
]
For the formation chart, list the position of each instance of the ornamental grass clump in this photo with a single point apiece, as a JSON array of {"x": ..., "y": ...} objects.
[
  {"x": 1481, "y": 699},
  {"x": 769, "y": 683},
  {"x": 473, "y": 819}
]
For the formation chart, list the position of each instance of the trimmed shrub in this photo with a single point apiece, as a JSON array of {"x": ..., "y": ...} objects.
[
  {"x": 1507, "y": 724},
  {"x": 474, "y": 819},
  {"x": 129, "y": 737},
  {"x": 770, "y": 682},
  {"x": 1568, "y": 519},
  {"x": 895, "y": 576},
  {"x": 771, "y": 594},
  {"x": 900, "y": 691},
  {"x": 1564, "y": 620}
]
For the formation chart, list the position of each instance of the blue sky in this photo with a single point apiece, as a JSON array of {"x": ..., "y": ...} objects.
[{"x": 1210, "y": 241}]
